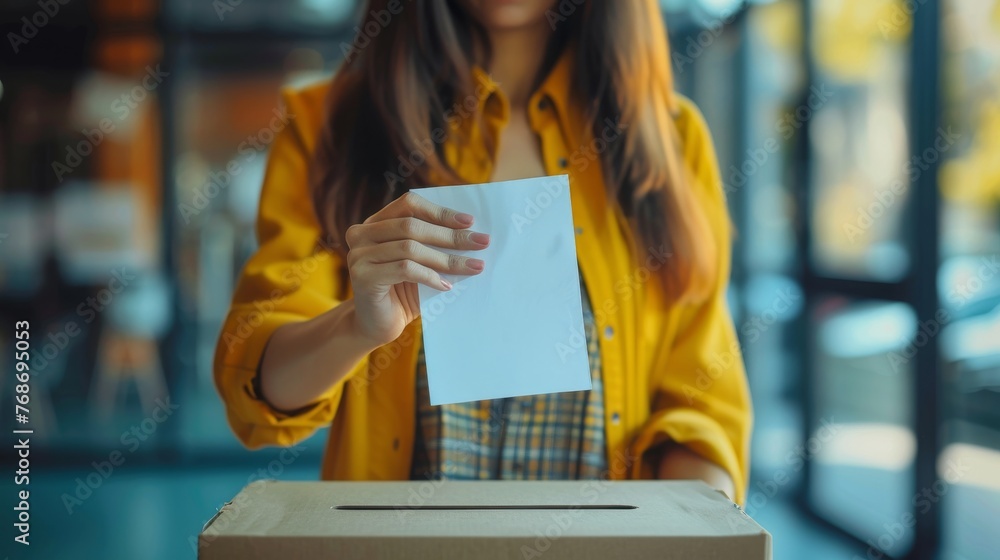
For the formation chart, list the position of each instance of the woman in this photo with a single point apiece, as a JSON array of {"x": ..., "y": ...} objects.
[{"x": 324, "y": 326}]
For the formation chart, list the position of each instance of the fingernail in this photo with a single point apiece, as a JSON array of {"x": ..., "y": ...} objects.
[
  {"x": 480, "y": 238},
  {"x": 464, "y": 219},
  {"x": 475, "y": 264},
  {"x": 446, "y": 284}
]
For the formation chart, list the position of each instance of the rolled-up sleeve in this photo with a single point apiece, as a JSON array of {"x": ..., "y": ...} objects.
[
  {"x": 292, "y": 277},
  {"x": 701, "y": 397}
]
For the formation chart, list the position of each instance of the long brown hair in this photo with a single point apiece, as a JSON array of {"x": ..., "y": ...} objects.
[{"x": 401, "y": 78}]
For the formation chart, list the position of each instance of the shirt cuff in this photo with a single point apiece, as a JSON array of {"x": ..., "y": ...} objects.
[{"x": 694, "y": 430}]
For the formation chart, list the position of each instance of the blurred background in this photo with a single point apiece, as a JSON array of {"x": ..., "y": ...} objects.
[{"x": 859, "y": 142}]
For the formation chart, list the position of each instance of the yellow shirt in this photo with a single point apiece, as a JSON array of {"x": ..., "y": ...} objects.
[{"x": 671, "y": 371}]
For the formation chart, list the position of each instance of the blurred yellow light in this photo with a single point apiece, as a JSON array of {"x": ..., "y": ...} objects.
[
  {"x": 975, "y": 177},
  {"x": 781, "y": 24},
  {"x": 849, "y": 34}
]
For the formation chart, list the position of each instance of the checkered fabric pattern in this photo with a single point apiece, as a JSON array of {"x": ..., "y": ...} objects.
[{"x": 538, "y": 437}]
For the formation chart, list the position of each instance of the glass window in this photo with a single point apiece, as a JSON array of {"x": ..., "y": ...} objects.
[
  {"x": 969, "y": 278},
  {"x": 863, "y": 447},
  {"x": 859, "y": 142},
  {"x": 758, "y": 175}
]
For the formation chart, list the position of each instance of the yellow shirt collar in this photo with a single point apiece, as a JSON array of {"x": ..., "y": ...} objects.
[{"x": 556, "y": 88}]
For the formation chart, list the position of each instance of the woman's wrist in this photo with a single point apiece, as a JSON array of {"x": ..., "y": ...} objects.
[
  {"x": 678, "y": 462},
  {"x": 348, "y": 326},
  {"x": 303, "y": 360}
]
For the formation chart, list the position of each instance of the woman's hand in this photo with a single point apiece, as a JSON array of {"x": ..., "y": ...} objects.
[
  {"x": 396, "y": 249},
  {"x": 388, "y": 255}
]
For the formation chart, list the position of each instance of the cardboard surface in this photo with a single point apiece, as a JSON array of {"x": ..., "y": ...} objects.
[{"x": 670, "y": 519}]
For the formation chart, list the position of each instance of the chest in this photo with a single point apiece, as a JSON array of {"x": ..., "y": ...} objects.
[{"x": 519, "y": 153}]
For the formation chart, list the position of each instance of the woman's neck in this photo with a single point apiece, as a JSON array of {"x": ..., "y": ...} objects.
[{"x": 517, "y": 57}]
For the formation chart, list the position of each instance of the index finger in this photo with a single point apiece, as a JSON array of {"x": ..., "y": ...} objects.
[{"x": 412, "y": 205}]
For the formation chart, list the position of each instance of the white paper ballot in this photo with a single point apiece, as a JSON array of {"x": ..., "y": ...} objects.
[{"x": 516, "y": 328}]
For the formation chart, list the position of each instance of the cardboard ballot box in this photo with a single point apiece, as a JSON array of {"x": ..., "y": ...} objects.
[{"x": 553, "y": 520}]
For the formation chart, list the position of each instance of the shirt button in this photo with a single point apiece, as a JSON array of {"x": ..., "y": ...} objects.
[
  {"x": 615, "y": 418},
  {"x": 579, "y": 231},
  {"x": 563, "y": 163},
  {"x": 609, "y": 332}
]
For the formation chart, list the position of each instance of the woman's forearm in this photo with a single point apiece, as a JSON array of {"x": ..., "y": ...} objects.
[
  {"x": 303, "y": 360},
  {"x": 678, "y": 462}
]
